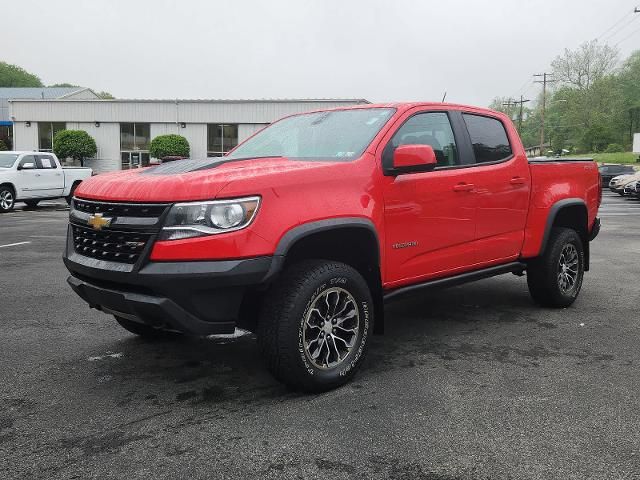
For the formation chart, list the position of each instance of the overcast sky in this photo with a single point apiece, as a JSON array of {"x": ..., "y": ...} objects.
[{"x": 389, "y": 50}]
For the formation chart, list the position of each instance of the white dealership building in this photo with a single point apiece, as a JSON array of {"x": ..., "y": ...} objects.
[{"x": 123, "y": 129}]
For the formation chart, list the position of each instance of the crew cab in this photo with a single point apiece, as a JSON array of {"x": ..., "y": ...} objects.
[
  {"x": 34, "y": 176},
  {"x": 303, "y": 232}
]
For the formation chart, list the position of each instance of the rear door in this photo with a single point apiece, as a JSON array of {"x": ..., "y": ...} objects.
[
  {"x": 503, "y": 182},
  {"x": 52, "y": 177},
  {"x": 429, "y": 216},
  {"x": 29, "y": 181}
]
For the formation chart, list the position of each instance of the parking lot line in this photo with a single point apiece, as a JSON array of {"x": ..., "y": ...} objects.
[{"x": 13, "y": 244}]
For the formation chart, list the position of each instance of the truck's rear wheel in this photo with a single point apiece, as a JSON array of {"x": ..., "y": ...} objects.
[
  {"x": 143, "y": 330},
  {"x": 7, "y": 199},
  {"x": 315, "y": 325},
  {"x": 555, "y": 278}
]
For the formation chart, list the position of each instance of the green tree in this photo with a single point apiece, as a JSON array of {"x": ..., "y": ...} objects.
[
  {"x": 169, "y": 146},
  {"x": 586, "y": 64},
  {"x": 76, "y": 144},
  {"x": 3, "y": 146},
  {"x": 65, "y": 85},
  {"x": 15, "y": 76},
  {"x": 105, "y": 96}
]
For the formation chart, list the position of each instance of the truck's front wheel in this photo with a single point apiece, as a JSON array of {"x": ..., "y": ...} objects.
[
  {"x": 555, "y": 278},
  {"x": 315, "y": 325}
]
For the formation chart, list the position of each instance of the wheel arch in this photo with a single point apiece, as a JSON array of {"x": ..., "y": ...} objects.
[
  {"x": 350, "y": 240},
  {"x": 10, "y": 185},
  {"x": 73, "y": 186},
  {"x": 570, "y": 213}
]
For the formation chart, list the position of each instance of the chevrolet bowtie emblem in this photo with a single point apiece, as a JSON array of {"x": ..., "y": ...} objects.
[{"x": 97, "y": 221}]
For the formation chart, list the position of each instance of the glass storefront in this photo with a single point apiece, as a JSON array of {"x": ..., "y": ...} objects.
[
  {"x": 46, "y": 132},
  {"x": 221, "y": 138},
  {"x": 134, "y": 145}
]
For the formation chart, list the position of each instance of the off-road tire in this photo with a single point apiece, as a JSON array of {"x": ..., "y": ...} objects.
[
  {"x": 7, "y": 199},
  {"x": 144, "y": 331},
  {"x": 283, "y": 320},
  {"x": 32, "y": 203},
  {"x": 543, "y": 273}
]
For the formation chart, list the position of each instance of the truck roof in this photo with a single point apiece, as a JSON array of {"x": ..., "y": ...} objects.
[
  {"x": 409, "y": 105},
  {"x": 20, "y": 152}
]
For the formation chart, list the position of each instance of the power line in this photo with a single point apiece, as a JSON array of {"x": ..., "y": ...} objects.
[
  {"x": 612, "y": 26},
  {"x": 546, "y": 78},
  {"x": 513, "y": 103},
  {"x": 628, "y": 36},
  {"x": 617, "y": 31}
]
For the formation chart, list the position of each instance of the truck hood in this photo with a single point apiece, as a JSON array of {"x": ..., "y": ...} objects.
[{"x": 186, "y": 180}]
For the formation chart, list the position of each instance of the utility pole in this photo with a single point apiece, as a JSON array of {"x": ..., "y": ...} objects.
[
  {"x": 546, "y": 78},
  {"x": 513, "y": 103}
]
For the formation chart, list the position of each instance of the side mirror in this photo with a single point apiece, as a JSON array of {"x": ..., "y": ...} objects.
[
  {"x": 414, "y": 158},
  {"x": 27, "y": 166}
]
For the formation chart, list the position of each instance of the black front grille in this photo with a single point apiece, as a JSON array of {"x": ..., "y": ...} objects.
[
  {"x": 115, "y": 246},
  {"x": 119, "y": 209}
]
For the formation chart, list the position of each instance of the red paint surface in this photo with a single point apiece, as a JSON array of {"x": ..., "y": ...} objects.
[{"x": 461, "y": 219}]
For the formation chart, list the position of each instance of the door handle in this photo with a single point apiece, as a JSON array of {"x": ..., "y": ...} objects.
[
  {"x": 518, "y": 181},
  {"x": 463, "y": 187},
  {"x": 37, "y": 174}
]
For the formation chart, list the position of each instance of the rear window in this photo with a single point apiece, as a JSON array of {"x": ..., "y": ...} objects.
[{"x": 489, "y": 138}]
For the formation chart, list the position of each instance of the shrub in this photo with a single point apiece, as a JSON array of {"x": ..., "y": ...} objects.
[
  {"x": 169, "y": 146},
  {"x": 3, "y": 146},
  {"x": 614, "y": 148},
  {"x": 76, "y": 144}
]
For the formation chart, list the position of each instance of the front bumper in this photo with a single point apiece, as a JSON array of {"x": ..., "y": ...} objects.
[{"x": 199, "y": 297}]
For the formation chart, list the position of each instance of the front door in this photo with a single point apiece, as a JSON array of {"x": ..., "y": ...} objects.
[
  {"x": 429, "y": 216},
  {"x": 29, "y": 181}
]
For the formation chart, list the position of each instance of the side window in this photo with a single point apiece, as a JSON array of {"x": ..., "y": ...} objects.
[
  {"x": 431, "y": 128},
  {"x": 46, "y": 161},
  {"x": 489, "y": 138},
  {"x": 28, "y": 159}
]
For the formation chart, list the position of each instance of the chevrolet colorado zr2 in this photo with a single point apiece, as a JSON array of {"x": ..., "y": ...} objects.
[{"x": 303, "y": 231}]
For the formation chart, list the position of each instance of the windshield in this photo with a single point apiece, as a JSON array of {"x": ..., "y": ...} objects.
[
  {"x": 337, "y": 135},
  {"x": 7, "y": 159}
]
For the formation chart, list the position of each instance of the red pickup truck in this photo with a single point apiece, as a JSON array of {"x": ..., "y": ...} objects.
[{"x": 304, "y": 231}]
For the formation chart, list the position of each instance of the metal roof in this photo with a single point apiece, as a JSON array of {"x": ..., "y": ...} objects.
[{"x": 43, "y": 93}]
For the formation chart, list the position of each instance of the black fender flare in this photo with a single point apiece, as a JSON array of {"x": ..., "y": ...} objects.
[
  {"x": 310, "y": 228},
  {"x": 306, "y": 229},
  {"x": 553, "y": 213}
]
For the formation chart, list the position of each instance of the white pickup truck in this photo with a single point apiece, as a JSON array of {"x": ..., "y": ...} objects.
[{"x": 33, "y": 176}]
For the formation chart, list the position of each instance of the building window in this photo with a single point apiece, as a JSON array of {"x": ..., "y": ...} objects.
[
  {"x": 221, "y": 138},
  {"x": 6, "y": 136},
  {"x": 46, "y": 132},
  {"x": 134, "y": 145}
]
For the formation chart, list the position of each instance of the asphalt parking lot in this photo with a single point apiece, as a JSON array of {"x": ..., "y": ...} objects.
[{"x": 475, "y": 382}]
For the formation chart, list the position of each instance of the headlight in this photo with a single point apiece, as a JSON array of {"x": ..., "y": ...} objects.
[{"x": 196, "y": 219}]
